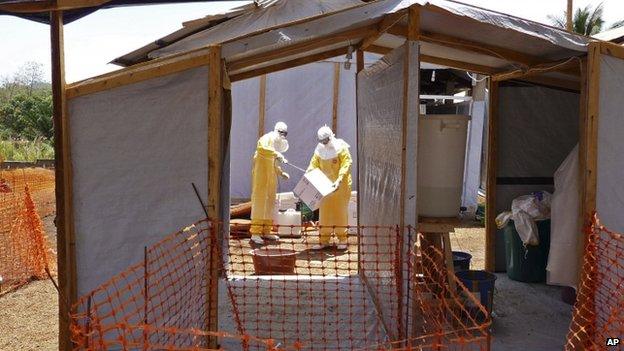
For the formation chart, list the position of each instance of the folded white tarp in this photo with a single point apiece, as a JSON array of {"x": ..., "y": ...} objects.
[{"x": 562, "y": 268}]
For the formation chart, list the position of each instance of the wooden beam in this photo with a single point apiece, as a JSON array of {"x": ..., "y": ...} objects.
[
  {"x": 413, "y": 23},
  {"x": 359, "y": 60},
  {"x": 62, "y": 168},
  {"x": 569, "y": 22},
  {"x": 48, "y": 6},
  {"x": 583, "y": 139},
  {"x": 383, "y": 25},
  {"x": 215, "y": 169},
  {"x": 288, "y": 64},
  {"x": 262, "y": 105},
  {"x": 490, "y": 193},
  {"x": 302, "y": 47},
  {"x": 138, "y": 73},
  {"x": 336, "y": 97},
  {"x": 469, "y": 45},
  {"x": 612, "y": 49}
]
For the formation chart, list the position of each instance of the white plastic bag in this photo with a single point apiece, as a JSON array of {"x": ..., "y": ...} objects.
[{"x": 525, "y": 210}]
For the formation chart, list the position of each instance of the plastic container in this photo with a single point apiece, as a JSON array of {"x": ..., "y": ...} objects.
[
  {"x": 269, "y": 261},
  {"x": 441, "y": 154},
  {"x": 286, "y": 201},
  {"x": 353, "y": 220},
  {"x": 288, "y": 222},
  {"x": 461, "y": 260},
  {"x": 481, "y": 284},
  {"x": 527, "y": 265}
]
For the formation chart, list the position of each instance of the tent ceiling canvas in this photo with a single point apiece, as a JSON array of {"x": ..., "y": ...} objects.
[
  {"x": 239, "y": 21},
  {"x": 477, "y": 29}
]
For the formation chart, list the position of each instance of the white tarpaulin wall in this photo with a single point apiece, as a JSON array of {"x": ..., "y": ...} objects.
[
  {"x": 135, "y": 151},
  {"x": 303, "y": 98},
  {"x": 383, "y": 129},
  {"x": 537, "y": 129},
  {"x": 610, "y": 192}
]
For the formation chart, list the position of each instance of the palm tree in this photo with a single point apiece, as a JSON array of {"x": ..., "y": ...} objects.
[{"x": 586, "y": 21}]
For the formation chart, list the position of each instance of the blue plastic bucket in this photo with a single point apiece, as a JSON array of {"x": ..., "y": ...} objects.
[
  {"x": 480, "y": 282},
  {"x": 461, "y": 260}
]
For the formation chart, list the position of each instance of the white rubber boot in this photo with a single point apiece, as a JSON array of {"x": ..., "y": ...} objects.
[{"x": 256, "y": 239}]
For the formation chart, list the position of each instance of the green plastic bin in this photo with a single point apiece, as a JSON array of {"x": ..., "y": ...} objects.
[{"x": 527, "y": 265}]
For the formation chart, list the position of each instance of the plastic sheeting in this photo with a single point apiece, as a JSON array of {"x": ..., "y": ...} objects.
[
  {"x": 610, "y": 166},
  {"x": 381, "y": 94},
  {"x": 135, "y": 151},
  {"x": 565, "y": 229},
  {"x": 610, "y": 192},
  {"x": 303, "y": 98},
  {"x": 268, "y": 14},
  {"x": 538, "y": 127}
]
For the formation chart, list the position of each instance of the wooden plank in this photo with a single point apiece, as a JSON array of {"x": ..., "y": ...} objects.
[
  {"x": 62, "y": 168},
  {"x": 215, "y": 162},
  {"x": 583, "y": 139},
  {"x": 262, "y": 105},
  {"x": 383, "y": 26},
  {"x": 138, "y": 73},
  {"x": 335, "y": 97},
  {"x": 492, "y": 152},
  {"x": 612, "y": 49},
  {"x": 469, "y": 45},
  {"x": 448, "y": 259},
  {"x": 288, "y": 64},
  {"x": 438, "y": 224},
  {"x": 302, "y": 47}
]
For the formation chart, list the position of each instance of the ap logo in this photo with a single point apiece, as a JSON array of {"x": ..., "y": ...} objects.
[{"x": 613, "y": 341}]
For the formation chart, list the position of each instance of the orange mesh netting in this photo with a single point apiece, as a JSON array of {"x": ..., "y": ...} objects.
[
  {"x": 24, "y": 249},
  {"x": 599, "y": 310},
  {"x": 391, "y": 293}
]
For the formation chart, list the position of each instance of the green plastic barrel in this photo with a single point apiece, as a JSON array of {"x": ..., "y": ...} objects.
[{"x": 527, "y": 265}]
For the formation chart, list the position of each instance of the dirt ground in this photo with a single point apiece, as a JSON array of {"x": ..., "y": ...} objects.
[
  {"x": 29, "y": 318},
  {"x": 470, "y": 237}
]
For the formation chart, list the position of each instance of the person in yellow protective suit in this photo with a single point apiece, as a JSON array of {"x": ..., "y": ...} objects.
[
  {"x": 264, "y": 175},
  {"x": 332, "y": 157}
]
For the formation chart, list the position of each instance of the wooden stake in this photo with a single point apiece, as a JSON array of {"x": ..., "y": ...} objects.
[
  {"x": 262, "y": 105},
  {"x": 492, "y": 152},
  {"x": 215, "y": 169},
  {"x": 336, "y": 97}
]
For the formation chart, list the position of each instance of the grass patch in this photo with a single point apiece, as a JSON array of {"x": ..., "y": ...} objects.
[{"x": 26, "y": 150}]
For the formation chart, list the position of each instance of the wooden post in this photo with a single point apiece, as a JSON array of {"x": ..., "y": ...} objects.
[
  {"x": 359, "y": 60},
  {"x": 336, "y": 97},
  {"x": 262, "y": 105},
  {"x": 569, "y": 16},
  {"x": 215, "y": 168},
  {"x": 62, "y": 167},
  {"x": 492, "y": 152}
]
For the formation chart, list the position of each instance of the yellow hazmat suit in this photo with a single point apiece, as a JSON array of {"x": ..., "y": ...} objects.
[
  {"x": 264, "y": 182},
  {"x": 336, "y": 164}
]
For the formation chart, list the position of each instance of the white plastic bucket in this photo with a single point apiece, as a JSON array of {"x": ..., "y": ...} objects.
[{"x": 441, "y": 154}]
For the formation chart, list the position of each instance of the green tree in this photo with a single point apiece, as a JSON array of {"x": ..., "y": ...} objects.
[
  {"x": 586, "y": 21},
  {"x": 27, "y": 116}
]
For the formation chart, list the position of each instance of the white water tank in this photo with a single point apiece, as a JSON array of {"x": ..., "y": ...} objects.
[{"x": 441, "y": 153}]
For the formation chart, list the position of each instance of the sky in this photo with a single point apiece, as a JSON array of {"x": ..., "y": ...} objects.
[{"x": 95, "y": 40}]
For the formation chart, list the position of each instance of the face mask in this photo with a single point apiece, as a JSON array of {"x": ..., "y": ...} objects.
[{"x": 280, "y": 144}]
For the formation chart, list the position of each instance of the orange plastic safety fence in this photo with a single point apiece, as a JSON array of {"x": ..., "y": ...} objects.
[
  {"x": 598, "y": 316},
  {"x": 377, "y": 289},
  {"x": 40, "y": 181},
  {"x": 24, "y": 250},
  {"x": 161, "y": 303}
]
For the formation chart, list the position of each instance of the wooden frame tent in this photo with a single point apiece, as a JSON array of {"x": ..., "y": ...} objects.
[{"x": 443, "y": 32}]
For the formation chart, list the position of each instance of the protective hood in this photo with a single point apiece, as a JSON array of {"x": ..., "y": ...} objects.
[{"x": 331, "y": 150}]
